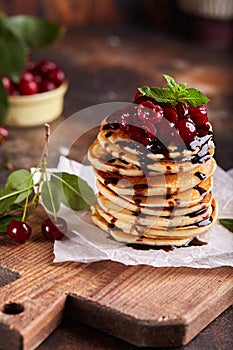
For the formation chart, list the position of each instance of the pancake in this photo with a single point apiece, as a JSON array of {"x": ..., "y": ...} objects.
[
  {"x": 111, "y": 204},
  {"x": 151, "y": 192},
  {"x": 156, "y": 185},
  {"x": 104, "y": 161},
  {"x": 118, "y": 144},
  {"x": 182, "y": 199},
  {"x": 177, "y": 236}
]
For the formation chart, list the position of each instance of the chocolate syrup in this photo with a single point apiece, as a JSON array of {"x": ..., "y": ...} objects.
[
  {"x": 112, "y": 223},
  {"x": 195, "y": 242},
  {"x": 200, "y": 189},
  {"x": 111, "y": 180},
  {"x": 200, "y": 175},
  {"x": 205, "y": 222},
  {"x": 108, "y": 134},
  {"x": 196, "y": 213},
  {"x": 112, "y": 126}
]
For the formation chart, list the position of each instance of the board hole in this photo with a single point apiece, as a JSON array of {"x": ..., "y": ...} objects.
[{"x": 13, "y": 308}]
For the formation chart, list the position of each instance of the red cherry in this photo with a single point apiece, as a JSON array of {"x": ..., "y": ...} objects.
[
  {"x": 31, "y": 65},
  {"x": 203, "y": 129},
  {"x": 28, "y": 87},
  {"x": 3, "y": 133},
  {"x": 45, "y": 66},
  {"x": 20, "y": 231},
  {"x": 138, "y": 95},
  {"x": 182, "y": 109},
  {"x": 167, "y": 133},
  {"x": 199, "y": 119},
  {"x": 144, "y": 133},
  {"x": 47, "y": 85},
  {"x": 197, "y": 110},
  {"x": 148, "y": 111},
  {"x": 56, "y": 75},
  {"x": 170, "y": 113},
  {"x": 186, "y": 129},
  {"x": 8, "y": 84},
  {"x": 198, "y": 114},
  {"x": 15, "y": 92},
  {"x": 54, "y": 230},
  {"x": 37, "y": 78},
  {"x": 26, "y": 75}
]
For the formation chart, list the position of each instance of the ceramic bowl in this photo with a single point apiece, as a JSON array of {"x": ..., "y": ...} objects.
[{"x": 33, "y": 110}]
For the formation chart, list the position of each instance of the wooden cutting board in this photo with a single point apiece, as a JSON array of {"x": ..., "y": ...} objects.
[{"x": 143, "y": 305}]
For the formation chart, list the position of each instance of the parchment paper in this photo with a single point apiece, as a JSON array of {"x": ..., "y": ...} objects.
[{"x": 87, "y": 243}]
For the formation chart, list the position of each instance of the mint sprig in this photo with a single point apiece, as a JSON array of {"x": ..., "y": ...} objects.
[{"x": 175, "y": 93}]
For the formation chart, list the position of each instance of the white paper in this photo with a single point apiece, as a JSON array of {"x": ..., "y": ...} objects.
[{"x": 87, "y": 243}]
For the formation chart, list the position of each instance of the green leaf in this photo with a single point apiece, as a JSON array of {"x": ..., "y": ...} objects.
[
  {"x": 163, "y": 95},
  {"x": 171, "y": 83},
  {"x": 4, "y": 221},
  {"x": 228, "y": 223},
  {"x": 75, "y": 192},
  {"x": 175, "y": 93},
  {"x": 20, "y": 180},
  {"x": 7, "y": 197},
  {"x": 3, "y": 103},
  {"x": 194, "y": 97},
  {"x": 12, "y": 52},
  {"x": 50, "y": 194},
  {"x": 35, "y": 32}
]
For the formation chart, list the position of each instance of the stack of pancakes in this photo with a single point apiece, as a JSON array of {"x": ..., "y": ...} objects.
[{"x": 152, "y": 198}]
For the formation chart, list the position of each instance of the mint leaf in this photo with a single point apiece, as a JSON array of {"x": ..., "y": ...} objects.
[
  {"x": 171, "y": 83},
  {"x": 228, "y": 223},
  {"x": 161, "y": 95},
  {"x": 175, "y": 93}
]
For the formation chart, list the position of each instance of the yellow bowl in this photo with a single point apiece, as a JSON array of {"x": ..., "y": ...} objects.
[{"x": 33, "y": 110}]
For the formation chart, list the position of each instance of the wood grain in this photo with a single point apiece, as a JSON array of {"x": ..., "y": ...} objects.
[{"x": 143, "y": 305}]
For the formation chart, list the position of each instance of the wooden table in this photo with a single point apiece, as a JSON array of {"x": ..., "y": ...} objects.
[{"x": 104, "y": 65}]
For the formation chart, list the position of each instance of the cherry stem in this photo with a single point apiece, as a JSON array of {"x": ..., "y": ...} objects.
[{"x": 44, "y": 171}]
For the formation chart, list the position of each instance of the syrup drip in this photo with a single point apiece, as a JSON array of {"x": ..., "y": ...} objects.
[
  {"x": 200, "y": 175},
  {"x": 195, "y": 242}
]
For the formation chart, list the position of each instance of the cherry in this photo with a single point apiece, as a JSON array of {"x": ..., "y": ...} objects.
[
  {"x": 31, "y": 65},
  {"x": 197, "y": 110},
  {"x": 199, "y": 119},
  {"x": 26, "y": 75},
  {"x": 56, "y": 75},
  {"x": 167, "y": 133},
  {"x": 148, "y": 111},
  {"x": 20, "y": 231},
  {"x": 15, "y": 92},
  {"x": 138, "y": 95},
  {"x": 198, "y": 114},
  {"x": 203, "y": 129},
  {"x": 47, "y": 85},
  {"x": 8, "y": 84},
  {"x": 28, "y": 87},
  {"x": 144, "y": 133},
  {"x": 3, "y": 133},
  {"x": 182, "y": 109},
  {"x": 45, "y": 66},
  {"x": 186, "y": 129},
  {"x": 170, "y": 113},
  {"x": 54, "y": 230}
]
